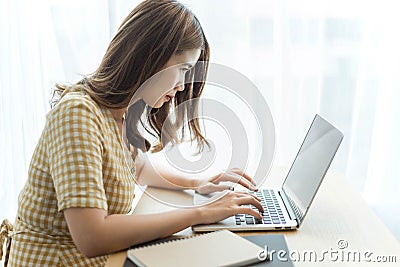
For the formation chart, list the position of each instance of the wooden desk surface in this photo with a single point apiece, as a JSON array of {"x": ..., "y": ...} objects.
[{"x": 337, "y": 217}]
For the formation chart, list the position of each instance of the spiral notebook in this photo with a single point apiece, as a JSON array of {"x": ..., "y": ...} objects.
[{"x": 220, "y": 248}]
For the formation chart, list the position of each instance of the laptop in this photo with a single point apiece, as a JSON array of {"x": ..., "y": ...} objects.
[{"x": 286, "y": 207}]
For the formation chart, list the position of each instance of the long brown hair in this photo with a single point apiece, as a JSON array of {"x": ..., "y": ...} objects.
[{"x": 147, "y": 38}]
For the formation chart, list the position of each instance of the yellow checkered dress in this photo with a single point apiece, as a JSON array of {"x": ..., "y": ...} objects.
[{"x": 77, "y": 163}]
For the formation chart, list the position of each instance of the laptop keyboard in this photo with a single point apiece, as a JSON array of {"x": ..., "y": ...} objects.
[{"x": 272, "y": 211}]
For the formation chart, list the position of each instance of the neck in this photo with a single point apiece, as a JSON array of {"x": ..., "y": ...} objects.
[{"x": 118, "y": 114}]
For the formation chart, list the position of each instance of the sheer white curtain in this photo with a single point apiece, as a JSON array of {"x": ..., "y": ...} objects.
[
  {"x": 337, "y": 58},
  {"x": 42, "y": 42},
  {"x": 30, "y": 63}
]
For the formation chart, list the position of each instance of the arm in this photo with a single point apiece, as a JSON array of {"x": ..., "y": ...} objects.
[
  {"x": 95, "y": 233},
  {"x": 81, "y": 194},
  {"x": 149, "y": 172}
]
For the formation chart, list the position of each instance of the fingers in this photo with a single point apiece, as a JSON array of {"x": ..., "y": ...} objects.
[
  {"x": 245, "y": 175},
  {"x": 247, "y": 210},
  {"x": 223, "y": 187},
  {"x": 249, "y": 199},
  {"x": 231, "y": 176},
  {"x": 247, "y": 184},
  {"x": 233, "y": 203},
  {"x": 248, "y": 194},
  {"x": 211, "y": 188},
  {"x": 244, "y": 199}
]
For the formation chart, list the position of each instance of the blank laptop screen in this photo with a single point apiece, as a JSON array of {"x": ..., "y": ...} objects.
[{"x": 312, "y": 162}]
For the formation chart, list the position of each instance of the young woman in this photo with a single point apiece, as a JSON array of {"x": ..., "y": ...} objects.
[{"x": 72, "y": 210}]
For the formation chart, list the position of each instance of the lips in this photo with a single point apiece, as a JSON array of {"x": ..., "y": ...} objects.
[{"x": 169, "y": 97}]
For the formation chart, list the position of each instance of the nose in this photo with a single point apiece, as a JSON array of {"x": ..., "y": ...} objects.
[{"x": 180, "y": 87}]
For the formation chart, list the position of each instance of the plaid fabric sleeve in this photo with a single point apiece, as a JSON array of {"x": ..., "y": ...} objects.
[{"x": 74, "y": 149}]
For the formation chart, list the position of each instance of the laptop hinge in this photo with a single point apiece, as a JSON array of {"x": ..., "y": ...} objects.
[{"x": 288, "y": 206}]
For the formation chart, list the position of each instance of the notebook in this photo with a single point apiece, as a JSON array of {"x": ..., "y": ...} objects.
[
  {"x": 286, "y": 207},
  {"x": 220, "y": 248},
  {"x": 274, "y": 242}
]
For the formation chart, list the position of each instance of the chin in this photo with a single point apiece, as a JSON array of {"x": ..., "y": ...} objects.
[
  {"x": 154, "y": 105},
  {"x": 157, "y": 105}
]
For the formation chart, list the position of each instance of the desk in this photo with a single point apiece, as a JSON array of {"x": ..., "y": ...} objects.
[{"x": 337, "y": 213}]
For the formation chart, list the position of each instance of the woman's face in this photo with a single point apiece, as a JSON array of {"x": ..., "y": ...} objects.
[{"x": 163, "y": 86}]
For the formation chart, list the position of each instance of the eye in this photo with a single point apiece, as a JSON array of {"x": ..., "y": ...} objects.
[{"x": 184, "y": 70}]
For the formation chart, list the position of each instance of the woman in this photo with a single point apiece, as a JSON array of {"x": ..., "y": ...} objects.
[{"x": 72, "y": 210}]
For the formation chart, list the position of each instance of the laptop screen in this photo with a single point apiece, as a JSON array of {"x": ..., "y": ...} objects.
[{"x": 311, "y": 164}]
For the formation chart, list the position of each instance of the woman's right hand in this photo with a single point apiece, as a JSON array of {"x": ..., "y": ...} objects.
[{"x": 230, "y": 204}]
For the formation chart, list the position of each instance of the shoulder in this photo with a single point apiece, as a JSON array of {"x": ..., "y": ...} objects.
[
  {"x": 76, "y": 104},
  {"x": 75, "y": 119}
]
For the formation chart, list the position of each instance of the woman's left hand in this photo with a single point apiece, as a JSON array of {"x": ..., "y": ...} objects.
[{"x": 234, "y": 175}]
